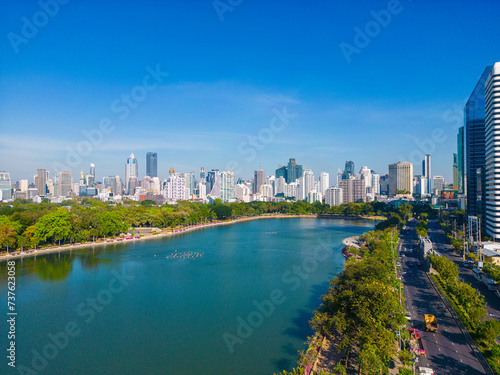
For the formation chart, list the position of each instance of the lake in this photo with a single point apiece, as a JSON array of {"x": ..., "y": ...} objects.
[{"x": 232, "y": 299}]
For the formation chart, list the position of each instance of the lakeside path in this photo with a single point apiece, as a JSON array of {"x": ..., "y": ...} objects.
[{"x": 163, "y": 234}]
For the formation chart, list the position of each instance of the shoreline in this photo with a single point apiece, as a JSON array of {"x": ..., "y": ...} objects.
[{"x": 164, "y": 233}]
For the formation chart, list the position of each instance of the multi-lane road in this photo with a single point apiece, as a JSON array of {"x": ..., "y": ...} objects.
[
  {"x": 439, "y": 243},
  {"x": 446, "y": 351}
]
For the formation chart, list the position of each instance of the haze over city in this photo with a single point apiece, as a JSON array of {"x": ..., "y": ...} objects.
[{"x": 224, "y": 75}]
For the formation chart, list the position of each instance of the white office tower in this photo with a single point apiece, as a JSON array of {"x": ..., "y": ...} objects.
[
  {"x": 375, "y": 184},
  {"x": 23, "y": 185},
  {"x": 266, "y": 192},
  {"x": 492, "y": 152},
  {"x": 308, "y": 182},
  {"x": 227, "y": 186},
  {"x": 279, "y": 186},
  {"x": 366, "y": 174},
  {"x": 333, "y": 196},
  {"x": 242, "y": 193},
  {"x": 324, "y": 182},
  {"x": 292, "y": 190},
  {"x": 339, "y": 176},
  {"x": 175, "y": 188}
]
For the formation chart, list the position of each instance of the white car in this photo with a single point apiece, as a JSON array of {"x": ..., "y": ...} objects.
[{"x": 425, "y": 371}]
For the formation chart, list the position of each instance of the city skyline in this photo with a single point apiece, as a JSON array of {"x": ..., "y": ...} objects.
[{"x": 201, "y": 106}]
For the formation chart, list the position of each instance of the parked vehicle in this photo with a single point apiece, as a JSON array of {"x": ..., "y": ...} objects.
[
  {"x": 425, "y": 371},
  {"x": 476, "y": 272},
  {"x": 488, "y": 282},
  {"x": 416, "y": 344},
  {"x": 419, "y": 263},
  {"x": 431, "y": 324}
]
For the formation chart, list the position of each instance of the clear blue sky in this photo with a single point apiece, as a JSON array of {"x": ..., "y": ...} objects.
[{"x": 228, "y": 78}]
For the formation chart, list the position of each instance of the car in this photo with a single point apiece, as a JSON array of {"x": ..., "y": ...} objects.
[
  {"x": 410, "y": 264},
  {"x": 425, "y": 371},
  {"x": 403, "y": 255},
  {"x": 408, "y": 317},
  {"x": 419, "y": 263}
]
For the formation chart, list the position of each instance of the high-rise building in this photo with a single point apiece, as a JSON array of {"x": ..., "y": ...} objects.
[
  {"x": 259, "y": 179},
  {"x": 492, "y": 152},
  {"x": 242, "y": 193},
  {"x": 190, "y": 182},
  {"x": 426, "y": 170},
  {"x": 438, "y": 184},
  {"x": 353, "y": 190},
  {"x": 400, "y": 178},
  {"x": 349, "y": 167},
  {"x": 212, "y": 178},
  {"x": 333, "y": 196},
  {"x": 461, "y": 160},
  {"x": 375, "y": 184},
  {"x": 474, "y": 113},
  {"x": 227, "y": 186},
  {"x": 455, "y": 172},
  {"x": 384, "y": 184},
  {"x": 324, "y": 182},
  {"x": 152, "y": 164},
  {"x": 308, "y": 181},
  {"x": 175, "y": 188},
  {"x": 213, "y": 183},
  {"x": 314, "y": 196},
  {"x": 291, "y": 172},
  {"x": 131, "y": 170},
  {"x": 41, "y": 181},
  {"x": 63, "y": 182},
  {"x": 202, "y": 174},
  {"x": 5, "y": 186}
]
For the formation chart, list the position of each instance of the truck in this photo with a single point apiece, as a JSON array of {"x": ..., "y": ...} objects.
[
  {"x": 416, "y": 344},
  {"x": 431, "y": 325},
  {"x": 488, "y": 282}
]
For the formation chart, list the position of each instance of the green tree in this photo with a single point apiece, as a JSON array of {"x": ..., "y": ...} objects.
[{"x": 53, "y": 227}]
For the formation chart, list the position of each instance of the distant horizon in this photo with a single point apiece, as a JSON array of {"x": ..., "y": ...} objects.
[{"x": 375, "y": 82}]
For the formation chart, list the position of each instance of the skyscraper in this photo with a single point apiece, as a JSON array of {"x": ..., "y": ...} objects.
[
  {"x": 259, "y": 179},
  {"x": 131, "y": 170},
  {"x": 400, "y": 178},
  {"x": 41, "y": 181},
  {"x": 426, "y": 171},
  {"x": 455, "y": 172},
  {"x": 349, "y": 167},
  {"x": 475, "y": 113},
  {"x": 5, "y": 186},
  {"x": 492, "y": 133},
  {"x": 227, "y": 186},
  {"x": 152, "y": 164},
  {"x": 461, "y": 160}
]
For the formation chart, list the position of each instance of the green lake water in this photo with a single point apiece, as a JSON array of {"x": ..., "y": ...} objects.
[{"x": 240, "y": 307}]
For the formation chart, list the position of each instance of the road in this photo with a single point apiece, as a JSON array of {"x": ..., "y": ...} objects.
[
  {"x": 447, "y": 351},
  {"x": 439, "y": 243}
]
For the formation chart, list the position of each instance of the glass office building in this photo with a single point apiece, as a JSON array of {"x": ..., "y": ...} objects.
[{"x": 475, "y": 146}]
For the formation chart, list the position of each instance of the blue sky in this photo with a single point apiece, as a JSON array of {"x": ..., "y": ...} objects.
[{"x": 229, "y": 76}]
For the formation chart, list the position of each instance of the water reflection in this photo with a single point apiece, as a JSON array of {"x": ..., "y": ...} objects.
[{"x": 58, "y": 266}]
